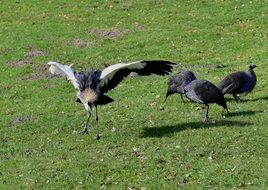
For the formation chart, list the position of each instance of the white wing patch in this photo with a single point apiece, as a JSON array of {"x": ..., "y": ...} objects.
[
  {"x": 108, "y": 73},
  {"x": 63, "y": 70}
]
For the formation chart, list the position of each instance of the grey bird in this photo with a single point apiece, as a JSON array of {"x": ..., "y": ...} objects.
[
  {"x": 92, "y": 85},
  {"x": 204, "y": 92},
  {"x": 177, "y": 83},
  {"x": 239, "y": 83}
]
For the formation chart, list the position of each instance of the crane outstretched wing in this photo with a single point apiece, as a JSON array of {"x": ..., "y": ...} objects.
[
  {"x": 114, "y": 74},
  {"x": 65, "y": 71}
]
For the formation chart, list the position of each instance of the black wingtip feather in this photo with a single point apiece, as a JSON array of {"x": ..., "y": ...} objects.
[
  {"x": 158, "y": 67},
  {"x": 103, "y": 99}
]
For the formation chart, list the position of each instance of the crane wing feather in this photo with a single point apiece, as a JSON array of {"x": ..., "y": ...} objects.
[
  {"x": 114, "y": 74},
  {"x": 65, "y": 71},
  {"x": 108, "y": 73}
]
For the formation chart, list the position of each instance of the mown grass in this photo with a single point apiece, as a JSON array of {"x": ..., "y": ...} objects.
[{"x": 146, "y": 143}]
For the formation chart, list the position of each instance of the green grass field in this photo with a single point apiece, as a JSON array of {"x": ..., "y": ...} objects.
[{"x": 146, "y": 143}]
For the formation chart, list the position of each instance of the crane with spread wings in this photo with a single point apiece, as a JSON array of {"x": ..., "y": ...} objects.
[{"x": 93, "y": 84}]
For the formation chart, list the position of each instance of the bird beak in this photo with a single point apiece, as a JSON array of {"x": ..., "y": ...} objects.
[
  {"x": 252, "y": 66},
  {"x": 167, "y": 95},
  {"x": 166, "y": 98}
]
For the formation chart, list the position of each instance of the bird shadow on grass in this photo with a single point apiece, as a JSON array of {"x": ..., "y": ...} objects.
[
  {"x": 257, "y": 99},
  {"x": 160, "y": 131},
  {"x": 244, "y": 113},
  {"x": 244, "y": 99}
]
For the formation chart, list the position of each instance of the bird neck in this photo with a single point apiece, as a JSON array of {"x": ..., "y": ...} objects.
[
  {"x": 254, "y": 79},
  {"x": 252, "y": 73}
]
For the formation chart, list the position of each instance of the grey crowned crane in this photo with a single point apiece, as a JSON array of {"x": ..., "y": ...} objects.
[
  {"x": 204, "y": 92},
  {"x": 177, "y": 83},
  {"x": 92, "y": 85},
  {"x": 239, "y": 82}
]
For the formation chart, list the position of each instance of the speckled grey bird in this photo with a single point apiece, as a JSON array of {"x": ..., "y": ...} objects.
[
  {"x": 239, "y": 83},
  {"x": 177, "y": 83},
  {"x": 204, "y": 92},
  {"x": 92, "y": 85}
]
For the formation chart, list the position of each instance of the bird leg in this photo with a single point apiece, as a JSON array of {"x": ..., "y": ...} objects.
[
  {"x": 206, "y": 114},
  {"x": 237, "y": 98},
  {"x": 182, "y": 98},
  {"x": 227, "y": 112},
  {"x": 85, "y": 130},
  {"x": 97, "y": 121}
]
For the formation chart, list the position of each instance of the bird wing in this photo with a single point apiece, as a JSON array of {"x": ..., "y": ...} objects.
[
  {"x": 209, "y": 92},
  {"x": 175, "y": 80},
  {"x": 231, "y": 88},
  {"x": 65, "y": 71},
  {"x": 234, "y": 83},
  {"x": 114, "y": 74},
  {"x": 186, "y": 77},
  {"x": 192, "y": 91}
]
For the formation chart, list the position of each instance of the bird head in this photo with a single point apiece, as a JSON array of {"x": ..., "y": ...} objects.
[
  {"x": 169, "y": 92},
  {"x": 252, "y": 66},
  {"x": 87, "y": 97}
]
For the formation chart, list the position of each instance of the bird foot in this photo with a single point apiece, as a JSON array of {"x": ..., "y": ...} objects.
[{"x": 85, "y": 131}]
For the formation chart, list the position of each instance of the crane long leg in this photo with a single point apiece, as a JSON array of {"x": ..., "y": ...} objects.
[
  {"x": 97, "y": 121},
  {"x": 227, "y": 111},
  {"x": 85, "y": 130},
  {"x": 237, "y": 98},
  {"x": 206, "y": 114}
]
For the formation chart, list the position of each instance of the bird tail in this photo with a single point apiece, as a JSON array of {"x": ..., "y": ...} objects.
[{"x": 226, "y": 88}]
